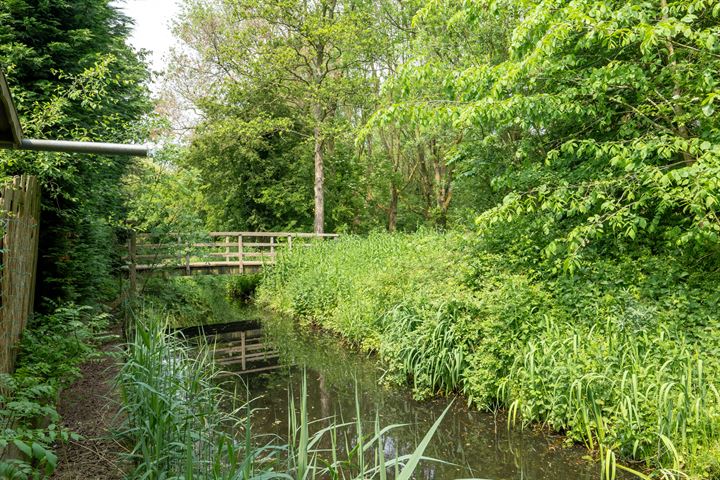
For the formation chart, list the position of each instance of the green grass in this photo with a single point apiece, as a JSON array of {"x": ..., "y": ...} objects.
[{"x": 623, "y": 356}]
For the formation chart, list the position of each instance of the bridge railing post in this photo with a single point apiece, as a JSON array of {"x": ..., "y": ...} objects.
[
  {"x": 241, "y": 262},
  {"x": 290, "y": 240}
]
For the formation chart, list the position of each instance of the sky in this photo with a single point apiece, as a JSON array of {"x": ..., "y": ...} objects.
[{"x": 152, "y": 30}]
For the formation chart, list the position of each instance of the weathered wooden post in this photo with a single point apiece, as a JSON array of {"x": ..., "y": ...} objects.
[
  {"x": 290, "y": 242},
  {"x": 272, "y": 249}
]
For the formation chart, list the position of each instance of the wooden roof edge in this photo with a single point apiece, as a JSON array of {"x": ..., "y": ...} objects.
[{"x": 10, "y": 111}]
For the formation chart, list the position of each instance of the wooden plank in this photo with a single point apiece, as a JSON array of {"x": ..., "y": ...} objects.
[
  {"x": 254, "y": 370},
  {"x": 273, "y": 234},
  {"x": 239, "y": 348},
  {"x": 132, "y": 274},
  {"x": 236, "y": 360},
  {"x": 20, "y": 212},
  {"x": 254, "y": 333}
]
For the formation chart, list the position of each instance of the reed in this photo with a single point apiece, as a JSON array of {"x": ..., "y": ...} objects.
[
  {"x": 361, "y": 456},
  {"x": 178, "y": 419}
]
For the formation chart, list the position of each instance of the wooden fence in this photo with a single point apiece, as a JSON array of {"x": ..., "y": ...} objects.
[
  {"x": 19, "y": 221},
  {"x": 231, "y": 252}
]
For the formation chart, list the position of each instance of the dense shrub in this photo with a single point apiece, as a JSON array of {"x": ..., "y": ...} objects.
[
  {"x": 200, "y": 299},
  {"x": 242, "y": 287},
  {"x": 623, "y": 354}
]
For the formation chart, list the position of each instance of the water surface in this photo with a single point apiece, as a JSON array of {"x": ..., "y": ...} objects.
[{"x": 476, "y": 444}]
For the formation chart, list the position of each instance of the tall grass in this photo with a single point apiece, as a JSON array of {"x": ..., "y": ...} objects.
[
  {"x": 179, "y": 421},
  {"x": 623, "y": 357},
  {"x": 344, "y": 450}
]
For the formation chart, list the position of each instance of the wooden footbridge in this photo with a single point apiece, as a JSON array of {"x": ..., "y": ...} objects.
[{"x": 214, "y": 252}]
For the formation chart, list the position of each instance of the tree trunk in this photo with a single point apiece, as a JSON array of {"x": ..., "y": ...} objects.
[
  {"x": 393, "y": 207},
  {"x": 319, "y": 224}
]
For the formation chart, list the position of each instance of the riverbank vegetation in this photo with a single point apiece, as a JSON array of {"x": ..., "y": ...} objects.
[
  {"x": 201, "y": 299},
  {"x": 51, "y": 351},
  {"x": 182, "y": 423},
  {"x": 622, "y": 354},
  {"x": 552, "y": 168}
]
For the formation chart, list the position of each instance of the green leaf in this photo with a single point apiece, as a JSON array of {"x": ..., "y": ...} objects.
[{"x": 23, "y": 447}]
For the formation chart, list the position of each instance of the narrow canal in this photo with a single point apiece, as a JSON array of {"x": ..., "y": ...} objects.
[{"x": 471, "y": 444}]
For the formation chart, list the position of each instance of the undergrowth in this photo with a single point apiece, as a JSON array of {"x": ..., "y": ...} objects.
[
  {"x": 623, "y": 356},
  {"x": 201, "y": 299},
  {"x": 52, "y": 348}
]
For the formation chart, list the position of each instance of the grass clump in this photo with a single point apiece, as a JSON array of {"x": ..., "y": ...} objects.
[
  {"x": 177, "y": 416},
  {"x": 623, "y": 355}
]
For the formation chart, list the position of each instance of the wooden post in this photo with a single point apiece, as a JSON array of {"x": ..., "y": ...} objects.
[
  {"x": 241, "y": 262},
  {"x": 290, "y": 243},
  {"x": 242, "y": 349},
  {"x": 132, "y": 268},
  {"x": 272, "y": 249},
  {"x": 187, "y": 263},
  {"x": 33, "y": 186},
  {"x": 227, "y": 249}
]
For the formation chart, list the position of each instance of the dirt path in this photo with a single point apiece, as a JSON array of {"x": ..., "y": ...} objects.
[{"x": 90, "y": 408}]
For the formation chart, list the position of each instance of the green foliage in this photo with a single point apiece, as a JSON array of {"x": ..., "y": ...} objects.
[
  {"x": 242, "y": 287},
  {"x": 160, "y": 198},
  {"x": 73, "y": 76},
  {"x": 200, "y": 299},
  {"x": 51, "y": 351},
  {"x": 621, "y": 356},
  {"x": 598, "y": 128}
]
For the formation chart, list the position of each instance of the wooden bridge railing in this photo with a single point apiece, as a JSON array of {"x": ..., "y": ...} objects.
[{"x": 237, "y": 251}]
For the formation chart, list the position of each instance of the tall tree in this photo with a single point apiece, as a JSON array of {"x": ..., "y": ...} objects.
[
  {"x": 73, "y": 77},
  {"x": 305, "y": 55}
]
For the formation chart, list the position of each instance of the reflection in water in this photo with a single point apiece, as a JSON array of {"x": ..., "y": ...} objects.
[{"x": 474, "y": 444}]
